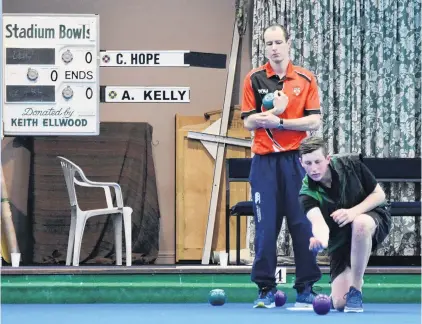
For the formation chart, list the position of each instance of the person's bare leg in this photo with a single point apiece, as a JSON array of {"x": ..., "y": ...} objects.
[
  {"x": 363, "y": 228},
  {"x": 340, "y": 287}
]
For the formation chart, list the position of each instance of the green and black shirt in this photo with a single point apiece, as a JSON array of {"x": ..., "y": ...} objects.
[{"x": 351, "y": 183}]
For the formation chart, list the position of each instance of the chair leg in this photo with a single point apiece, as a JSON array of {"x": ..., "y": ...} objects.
[
  {"x": 238, "y": 240},
  {"x": 71, "y": 240},
  {"x": 127, "y": 217},
  {"x": 79, "y": 230},
  {"x": 228, "y": 237},
  {"x": 118, "y": 223}
]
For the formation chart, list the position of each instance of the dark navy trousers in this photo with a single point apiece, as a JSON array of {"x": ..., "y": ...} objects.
[{"x": 275, "y": 182}]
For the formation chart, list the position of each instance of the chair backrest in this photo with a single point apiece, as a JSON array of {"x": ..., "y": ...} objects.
[
  {"x": 399, "y": 170},
  {"x": 70, "y": 169},
  {"x": 384, "y": 169},
  {"x": 237, "y": 169},
  {"x": 395, "y": 169}
]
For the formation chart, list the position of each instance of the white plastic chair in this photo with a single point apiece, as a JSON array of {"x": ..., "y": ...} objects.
[{"x": 79, "y": 217}]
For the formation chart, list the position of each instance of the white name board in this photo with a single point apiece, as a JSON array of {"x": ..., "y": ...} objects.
[
  {"x": 50, "y": 74},
  {"x": 142, "y": 58},
  {"x": 146, "y": 94}
]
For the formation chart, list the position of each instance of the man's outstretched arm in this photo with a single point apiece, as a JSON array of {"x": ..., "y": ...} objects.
[{"x": 320, "y": 229}]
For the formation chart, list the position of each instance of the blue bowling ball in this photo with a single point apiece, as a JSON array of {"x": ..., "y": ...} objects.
[{"x": 267, "y": 102}]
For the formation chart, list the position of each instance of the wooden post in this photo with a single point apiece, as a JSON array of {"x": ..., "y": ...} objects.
[{"x": 218, "y": 166}]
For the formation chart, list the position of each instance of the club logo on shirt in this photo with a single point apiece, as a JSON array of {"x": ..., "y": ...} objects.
[{"x": 296, "y": 91}]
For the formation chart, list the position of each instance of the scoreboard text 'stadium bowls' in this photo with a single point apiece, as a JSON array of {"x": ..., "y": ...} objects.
[{"x": 35, "y": 32}]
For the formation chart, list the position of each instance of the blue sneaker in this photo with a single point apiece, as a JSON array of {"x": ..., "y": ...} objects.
[
  {"x": 354, "y": 302},
  {"x": 305, "y": 298},
  {"x": 266, "y": 298}
]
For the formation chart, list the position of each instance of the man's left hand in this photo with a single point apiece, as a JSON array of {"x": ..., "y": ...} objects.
[
  {"x": 267, "y": 120},
  {"x": 343, "y": 216}
]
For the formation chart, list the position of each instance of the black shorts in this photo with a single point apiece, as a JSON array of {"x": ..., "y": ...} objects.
[{"x": 340, "y": 258}]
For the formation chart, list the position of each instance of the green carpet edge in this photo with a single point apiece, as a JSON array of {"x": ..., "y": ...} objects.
[{"x": 181, "y": 288}]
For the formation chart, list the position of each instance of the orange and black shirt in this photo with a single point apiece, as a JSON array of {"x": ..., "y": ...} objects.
[{"x": 301, "y": 88}]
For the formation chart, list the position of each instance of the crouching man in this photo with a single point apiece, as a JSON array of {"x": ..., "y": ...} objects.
[{"x": 349, "y": 216}]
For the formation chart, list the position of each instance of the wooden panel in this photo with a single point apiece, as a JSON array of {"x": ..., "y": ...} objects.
[{"x": 194, "y": 176}]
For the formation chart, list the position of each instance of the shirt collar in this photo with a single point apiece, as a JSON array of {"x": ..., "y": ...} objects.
[
  {"x": 313, "y": 185},
  {"x": 289, "y": 72}
]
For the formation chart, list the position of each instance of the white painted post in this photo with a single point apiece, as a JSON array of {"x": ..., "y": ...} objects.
[{"x": 221, "y": 148}]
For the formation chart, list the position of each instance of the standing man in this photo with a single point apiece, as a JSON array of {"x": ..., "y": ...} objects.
[
  {"x": 276, "y": 173},
  {"x": 349, "y": 215}
]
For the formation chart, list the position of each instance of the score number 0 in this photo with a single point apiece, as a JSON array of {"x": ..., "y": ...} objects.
[{"x": 88, "y": 59}]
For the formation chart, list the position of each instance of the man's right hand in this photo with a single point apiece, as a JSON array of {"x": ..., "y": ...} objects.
[
  {"x": 280, "y": 102},
  {"x": 262, "y": 120},
  {"x": 315, "y": 245}
]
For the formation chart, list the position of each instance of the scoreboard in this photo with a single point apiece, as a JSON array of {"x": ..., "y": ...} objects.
[{"x": 50, "y": 74}]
